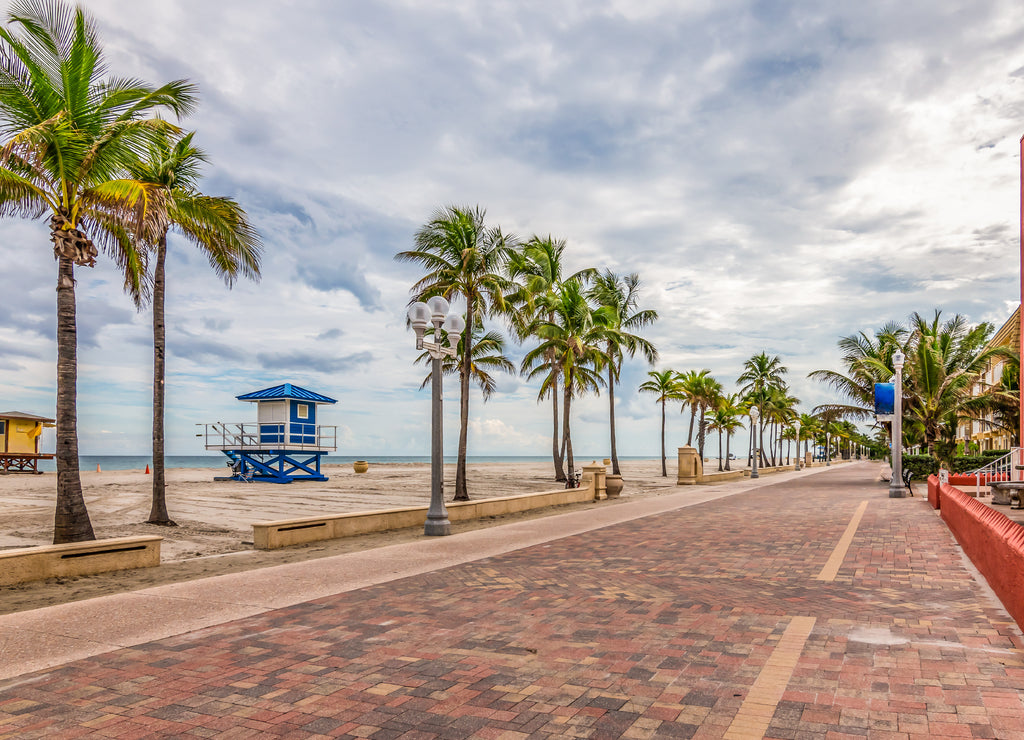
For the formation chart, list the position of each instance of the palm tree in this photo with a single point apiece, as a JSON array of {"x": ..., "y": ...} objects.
[
  {"x": 809, "y": 427},
  {"x": 575, "y": 338},
  {"x": 706, "y": 396},
  {"x": 944, "y": 361},
  {"x": 691, "y": 383},
  {"x": 537, "y": 266},
  {"x": 463, "y": 258},
  {"x": 665, "y": 384},
  {"x": 488, "y": 355},
  {"x": 724, "y": 419},
  {"x": 761, "y": 373},
  {"x": 69, "y": 134},
  {"x": 621, "y": 295},
  {"x": 219, "y": 228}
]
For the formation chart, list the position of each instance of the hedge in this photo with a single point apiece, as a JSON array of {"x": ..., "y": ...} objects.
[{"x": 921, "y": 466}]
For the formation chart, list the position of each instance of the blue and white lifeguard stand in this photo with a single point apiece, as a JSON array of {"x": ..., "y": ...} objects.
[{"x": 285, "y": 443}]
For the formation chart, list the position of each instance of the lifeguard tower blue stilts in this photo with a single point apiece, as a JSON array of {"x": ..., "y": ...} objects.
[{"x": 284, "y": 445}]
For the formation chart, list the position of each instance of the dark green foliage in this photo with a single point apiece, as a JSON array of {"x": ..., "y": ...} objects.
[
  {"x": 921, "y": 466},
  {"x": 995, "y": 453},
  {"x": 965, "y": 463}
]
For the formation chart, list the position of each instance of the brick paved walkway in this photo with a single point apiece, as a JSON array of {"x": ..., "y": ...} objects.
[{"x": 719, "y": 620}]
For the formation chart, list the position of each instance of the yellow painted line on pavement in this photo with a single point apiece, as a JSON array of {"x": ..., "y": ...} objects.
[
  {"x": 755, "y": 713},
  {"x": 835, "y": 560}
]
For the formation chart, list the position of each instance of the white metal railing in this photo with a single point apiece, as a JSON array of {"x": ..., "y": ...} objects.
[
  {"x": 261, "y": 436},
  {"x": 1001, "y": 469}
]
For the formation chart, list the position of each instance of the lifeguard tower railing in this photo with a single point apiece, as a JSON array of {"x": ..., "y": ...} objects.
[{"x": 255, "y": 436}]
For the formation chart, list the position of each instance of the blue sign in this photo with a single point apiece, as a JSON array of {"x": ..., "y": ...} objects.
[{"x": 885, "y": 398}]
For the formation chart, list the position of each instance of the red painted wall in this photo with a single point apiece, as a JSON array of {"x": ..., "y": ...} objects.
[
  {"x": 933, "y": 492},
  {"x": 993, "y": 542}
]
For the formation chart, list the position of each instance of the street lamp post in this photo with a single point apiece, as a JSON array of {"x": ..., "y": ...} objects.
[
  {"x": 755, "y": 414},
  {"x": 896, "y": 489},
  {"x": 796, "y": 424},
  {"x": 435, "y": 311}
]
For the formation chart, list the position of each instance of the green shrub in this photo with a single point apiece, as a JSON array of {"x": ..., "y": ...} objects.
[
  {"x": 921, "y": 466},
  {"x": 968, "y": 462},
  {"x": 995, "y": 453}
]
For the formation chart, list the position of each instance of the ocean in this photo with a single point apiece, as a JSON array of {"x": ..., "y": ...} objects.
[{"x": 139, "y": 462}]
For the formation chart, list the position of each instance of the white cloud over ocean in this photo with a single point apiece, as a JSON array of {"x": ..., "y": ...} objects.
[{"x": 779, "y": 173}]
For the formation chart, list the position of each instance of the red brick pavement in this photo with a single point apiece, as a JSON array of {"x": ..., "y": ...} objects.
[{"x": 656, "y": 627}]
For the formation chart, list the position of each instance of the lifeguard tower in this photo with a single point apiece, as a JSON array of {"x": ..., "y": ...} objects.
[
  {"x": 285, "y": 443},
  {"x": 19, "y": 442}
]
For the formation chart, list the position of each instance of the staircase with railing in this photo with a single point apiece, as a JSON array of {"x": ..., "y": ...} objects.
[{"x": 1009, "y": 467}]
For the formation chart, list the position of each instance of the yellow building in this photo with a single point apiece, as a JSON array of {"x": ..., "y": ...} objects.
[
  {"x": 983, "y": 432},
  {"x": 19, "y": 441}
]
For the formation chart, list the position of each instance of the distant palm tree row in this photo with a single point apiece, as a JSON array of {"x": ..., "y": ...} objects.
[
  {"x": 942, "y": 378},
  {"x": 91, "y": 152},
  {"x": 761, "y": 384},
  {"x": 579, "y": 327}
]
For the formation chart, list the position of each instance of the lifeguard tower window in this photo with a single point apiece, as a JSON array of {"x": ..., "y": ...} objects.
[
  {"x": 303, "y": 411},
  {"x": 3, "y": 426}
]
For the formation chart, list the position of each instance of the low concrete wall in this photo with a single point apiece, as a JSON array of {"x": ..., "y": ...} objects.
[
  {"x": 993, "y": 542},
  {"x": 709, "y": 479},
  {"x": 768, "y": 469},
  {"x": 78, "y": 559},
  {"x": 934, "y": 497},
  {"x": 284, "y": 533}
]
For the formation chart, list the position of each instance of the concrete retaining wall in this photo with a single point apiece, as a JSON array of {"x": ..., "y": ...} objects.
[
  {"x": 993, "y": 542},
  {"x": 934, "y": 498},
  {"x": 710, "y": 479},
  {"x": 284, "y": 533},
  {"x": 78, "y": 559}
]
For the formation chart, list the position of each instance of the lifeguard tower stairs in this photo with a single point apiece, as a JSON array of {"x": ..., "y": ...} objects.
[{"x": 285, "y": 444}]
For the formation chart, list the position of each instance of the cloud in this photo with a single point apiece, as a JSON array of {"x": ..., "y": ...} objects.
[{"x": 306, "y": 361}]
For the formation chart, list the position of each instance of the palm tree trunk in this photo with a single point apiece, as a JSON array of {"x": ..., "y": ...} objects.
[
  {"x": 719, "y": 450},
  {"x": 664, "y": 470},
  {"x": 728, "y": 438},
  {"x": 556, "y": 448},
  {"x": 461, "y": 491},
  {"x": 158, "y": 511},
  {"x": 566, "y": 431},
  {"x": 701, "y": 433},
  {"x": 611, "y": 420},
  {"x": 71, "y": 519},
  {"x": 693, "y": 415}
]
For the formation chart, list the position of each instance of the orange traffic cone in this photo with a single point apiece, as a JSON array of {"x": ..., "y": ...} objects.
[{"x": 147, "y": 469}]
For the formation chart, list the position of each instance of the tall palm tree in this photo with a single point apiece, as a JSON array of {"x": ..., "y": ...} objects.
[
  {"x": 620, "y": 295},
  {"x": 219, "y": 228},
  {"x": 724, "y": 420},
  {"x": 664, "y": 384},
  {"x": 576, "y": 338},
  {"x": 706, "y": 396},
  {"x": 69, "y": 133},
  {"x": 945, "y": 359},
  {"x": 761, "y": 373},
  {"x": 537, "y": 268},
  {"x": 464, "y": 258},
  {"x": 809, "y": 427},
  {"x": 691, "y": 383}
]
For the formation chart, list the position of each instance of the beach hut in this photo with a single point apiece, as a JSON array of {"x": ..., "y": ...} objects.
[
  {"x": 284, "y": 444},
  {"x": 19, "y": 441}
]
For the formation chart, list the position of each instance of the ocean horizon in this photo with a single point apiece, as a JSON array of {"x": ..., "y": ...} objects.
[{"x": 139, "y": 462}]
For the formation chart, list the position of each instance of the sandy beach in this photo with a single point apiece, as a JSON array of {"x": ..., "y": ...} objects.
[{"x": 214, "y": 535}]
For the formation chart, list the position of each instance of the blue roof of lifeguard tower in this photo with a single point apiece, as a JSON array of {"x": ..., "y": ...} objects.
[{"x": 285, "y": 390}]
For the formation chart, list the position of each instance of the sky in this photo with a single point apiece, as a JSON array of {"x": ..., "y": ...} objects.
[{"x": 780, "y": 174}]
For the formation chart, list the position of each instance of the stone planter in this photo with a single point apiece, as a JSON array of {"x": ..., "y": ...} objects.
[
  {"x": 360, "y": 466},
  {"x": 607, "y": 461},
  {"x": 614, "y": 485}
]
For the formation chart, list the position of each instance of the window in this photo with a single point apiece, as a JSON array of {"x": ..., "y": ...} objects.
[
  {"x": 302, "y": 410},
  {"x": 3, "y": 426}
]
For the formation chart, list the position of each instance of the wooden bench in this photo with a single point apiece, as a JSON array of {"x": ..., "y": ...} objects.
[{"x": 1007, "y": 492}]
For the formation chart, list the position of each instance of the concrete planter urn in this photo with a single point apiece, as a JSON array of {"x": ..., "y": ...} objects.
[
  {"x": 360, "y": 466},
  {"x": 614, "y": 485}
]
